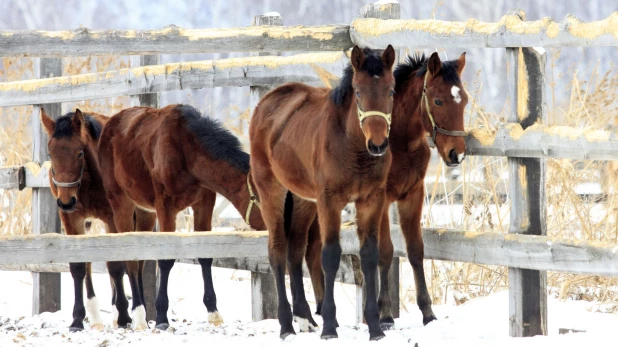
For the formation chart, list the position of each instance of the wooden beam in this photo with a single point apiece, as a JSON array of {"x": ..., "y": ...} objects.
[
  {"x": 9, "y": 177},
  {"x": 45, "y": 286},
  {"x": 510, "y": 31},
  {"x": 173, "y": 40},
  {"x": 527, "y": 288},
  {"x": 513, "y": 250},
  {"x": 233, "y": 72}
]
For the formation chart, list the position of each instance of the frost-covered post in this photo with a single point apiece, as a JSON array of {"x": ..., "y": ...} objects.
[
  {"x": 150, "y": 274},
  {"x": 527, "y": 288},
  {"x": 263, "y": 291},
  {"x": 383, "y": 10},
  {"x": 45, "y": 217}
]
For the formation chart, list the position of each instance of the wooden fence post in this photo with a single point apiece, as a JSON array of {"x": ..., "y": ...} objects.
[
  {"x": 380, "y": 10},
  {"x": 527, "y": 288},
  {"x": 150, "y": 275},
  {"x": 263, "y": 291},
  {"x": 45, "y": 219}
]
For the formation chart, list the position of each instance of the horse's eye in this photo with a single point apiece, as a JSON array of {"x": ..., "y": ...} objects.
[
  {"x": 358, "y": 95},
  {"x": 438, "y": 102},
  {"x": 80, "y": 155},
  {"x": 392, "y": 93}
]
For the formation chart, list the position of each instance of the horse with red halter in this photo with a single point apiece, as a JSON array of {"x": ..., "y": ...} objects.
[
  {"x": 165, "y": 160},
  {"x": 76, "y": 182},
  {"x": 330, "y": 147},
  {"x": 430, "y": 98}
]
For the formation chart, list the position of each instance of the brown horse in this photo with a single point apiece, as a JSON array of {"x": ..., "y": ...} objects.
[
  {"x": 430, "y": 98},
  {"x": 76, "y": 182},
  {"x": 166, "y": 160},
  {"x": 330, "y": 147}
]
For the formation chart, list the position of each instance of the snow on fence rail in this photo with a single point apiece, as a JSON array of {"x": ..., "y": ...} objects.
[{"x": 527, "y": 145}]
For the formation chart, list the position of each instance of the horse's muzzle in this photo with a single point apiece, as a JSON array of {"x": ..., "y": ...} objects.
[
  {"x": 375, "y": 150},
  {"x": 68, "y": 207}
]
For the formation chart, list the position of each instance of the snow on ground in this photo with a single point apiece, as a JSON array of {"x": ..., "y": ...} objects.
[{"x": 479, "y": 322}]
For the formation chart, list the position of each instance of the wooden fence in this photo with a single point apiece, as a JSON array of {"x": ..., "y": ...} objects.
[{"x": 526, "y": 249}]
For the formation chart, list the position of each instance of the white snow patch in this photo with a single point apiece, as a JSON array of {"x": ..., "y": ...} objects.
[{"x": 271, "y": 14}]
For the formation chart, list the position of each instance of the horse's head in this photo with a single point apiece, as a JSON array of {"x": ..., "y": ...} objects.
[
  {"x": 443, "y": 102},
  {"x": 68, "y": 138},
  {"x": 374, "y": 87}
]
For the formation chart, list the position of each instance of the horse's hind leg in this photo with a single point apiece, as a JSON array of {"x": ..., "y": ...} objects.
[
  {"x": 144, "y": 221},
  {"x": 298, "y": 217},
  {"x": 314, "y": 265},
  {"x": 410, "y": 211},
  {"x": 120, "y": 302},
  {"x": 272, "y": 195},
  {"x": 202, "y": 219},
  {"x": 368, "y": 216},
  {"x": 385, "y": 245},
  {"x": 92, "y": 305}
]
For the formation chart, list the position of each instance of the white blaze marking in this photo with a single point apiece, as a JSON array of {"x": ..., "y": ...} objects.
[{"x": 455, "y": 92}]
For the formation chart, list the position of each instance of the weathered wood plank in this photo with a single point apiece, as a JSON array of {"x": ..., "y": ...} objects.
[
  {"x": 510, "y": 31},
  {"x": 514, "y": 250},
  {"x": 9, "y": 177},
  {"x": 45, "y": 286},
  {"x": 233, "y": 72},
  {"x": 173, "y": 40},
  {"x": 527, "y": 288}
]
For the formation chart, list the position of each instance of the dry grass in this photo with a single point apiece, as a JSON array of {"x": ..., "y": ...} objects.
[{"x": 483, "y": 182}]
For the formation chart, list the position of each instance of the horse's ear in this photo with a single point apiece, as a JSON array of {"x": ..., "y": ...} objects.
[
  {"x": 461, "y": 63},
  {"x": 388, "y": 56},
  {"x": 48, "y": 123},
  {"x": 358, "y": 58},
  {"x": 78, "y": 120},
  {"x": 434, "y": 64}
]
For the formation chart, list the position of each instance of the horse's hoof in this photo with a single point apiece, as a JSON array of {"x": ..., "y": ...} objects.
[
  {"x": 141, "y": 326},
  {"x": 387, "y": 326},
  {"x": 287, "y": 336},
  {"x": 429, "y": 319},
  {"x": 162, "y": 326},
  {"x": 98, "y": 327},
  {"x": 215, "y": 318},
  {"x": 75, "y": 329},
  {"x": 377, "y": 337},
  {"x": 329, "y": 336}
]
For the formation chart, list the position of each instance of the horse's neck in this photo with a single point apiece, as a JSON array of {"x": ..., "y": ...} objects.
[
  {"x": 91, "y": 171},
  {"x": 352, "y": 125},
  {"x": 408, "y": 116}
]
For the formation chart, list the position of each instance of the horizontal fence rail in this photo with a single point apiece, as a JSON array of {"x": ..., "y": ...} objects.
[
  {"x": 233, "y": 72},
  {"x": 173, "y": 40},
  {"x": 513, "y": 250},
  {"x": 510, "y": 31}
]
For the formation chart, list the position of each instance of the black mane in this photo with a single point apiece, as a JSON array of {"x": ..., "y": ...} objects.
[
  {"x": 64, "y": 126},
  {"x": 214, "y": 138},
  {"x": 374, "y": 66},
  {"x": 418, "y": 63}
]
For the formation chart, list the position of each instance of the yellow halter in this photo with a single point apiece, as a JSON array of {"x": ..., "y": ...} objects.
[
  {"x": 362, "y": 115},
  {"x": 434, "y": 128}
]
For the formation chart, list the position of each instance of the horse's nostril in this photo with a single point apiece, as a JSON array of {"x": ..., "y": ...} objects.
[
  {"x": 452, "y": 155},
  {"x": 68, "y": 206},
  {"x": 379, "y": 150},
  {"x": 59, "y": 203}
]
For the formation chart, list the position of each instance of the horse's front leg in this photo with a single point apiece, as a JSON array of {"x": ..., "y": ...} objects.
[
  {"x": 368, "y": 217},
  {"x": 202, "y": 220},
  {"x": 385, "y": 244},
  {"x": 329, "y": 218},
  {"x": 410, "y": 211}
]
